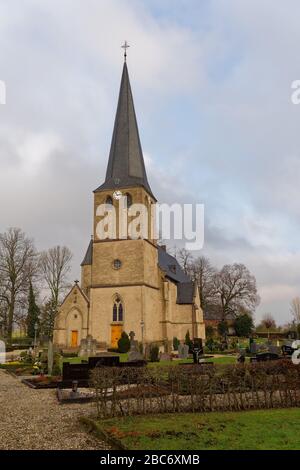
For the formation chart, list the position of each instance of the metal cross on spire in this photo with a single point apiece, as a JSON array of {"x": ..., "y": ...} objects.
[{"x": 125, "y": 47}]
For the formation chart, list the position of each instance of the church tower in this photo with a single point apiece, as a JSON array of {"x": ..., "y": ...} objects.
[
  {"x": 119, "y": 273},
  {"x": 128, "y": 282}
]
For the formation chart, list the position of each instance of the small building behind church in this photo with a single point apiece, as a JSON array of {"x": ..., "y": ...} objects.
[{"x": 128, "y": 284}]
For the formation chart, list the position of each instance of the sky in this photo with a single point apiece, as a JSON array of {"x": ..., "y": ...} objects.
[{"x": 212, "y": 87}]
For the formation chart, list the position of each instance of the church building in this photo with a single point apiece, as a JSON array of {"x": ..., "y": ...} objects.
[{"x": 128, "y": 283}]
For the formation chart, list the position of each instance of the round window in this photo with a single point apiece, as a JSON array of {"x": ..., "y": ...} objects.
[{"x": 117, "y": 264}]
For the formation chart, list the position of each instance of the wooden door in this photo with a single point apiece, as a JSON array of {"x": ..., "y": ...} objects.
[
  {"x": 116, "y": 331},
  {"x": 74, "y": 339}
]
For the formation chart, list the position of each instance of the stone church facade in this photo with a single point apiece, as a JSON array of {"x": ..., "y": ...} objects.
[{"x": 128, "y": 284}]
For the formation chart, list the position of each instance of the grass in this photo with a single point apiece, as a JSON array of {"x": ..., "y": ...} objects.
[
  {"x": 124, "y": 357},
  {"x": 277, "y": 429}
]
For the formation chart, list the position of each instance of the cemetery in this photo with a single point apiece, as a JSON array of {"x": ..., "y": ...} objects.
[{"x": 256, "y": 376}]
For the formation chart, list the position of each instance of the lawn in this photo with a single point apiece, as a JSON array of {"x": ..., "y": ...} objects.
[
  {"x": 123, "y": 358},
  {"x": 262, "y": 430}
]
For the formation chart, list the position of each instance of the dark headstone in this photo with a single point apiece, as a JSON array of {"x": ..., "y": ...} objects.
[
  {"x": 104, "y": 361},
  {"x": 266, "y": 356},
  {"x": 241, "y": 358},
  {"x": 197, "y": 350},
  {"x": 73, "y": 372},
  {"x": 287, "y": 350}
]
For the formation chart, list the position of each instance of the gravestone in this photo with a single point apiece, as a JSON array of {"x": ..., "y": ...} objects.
[
  {"x": 76, "y": 372},
  {"x": 197, "y": 350},
  {"x": 287, "y": 350},
  {"x": 50, "y": 357},
  {"x": 147, "y": 352},
  {"x": 165, "y": 357},
  {"x": 183, "y": 351},
  {"x": 253, "y": 348},
  {"x": 88, "y": 347},
  {"x": 104, "y": 361},
  {"x": 265, "y": 356},
  {"x": 274, "y": 349},
  {"x": 134, "y": 353}
]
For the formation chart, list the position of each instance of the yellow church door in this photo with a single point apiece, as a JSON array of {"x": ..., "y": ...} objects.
[
  {"x": 116, "y": 332},
  {"x": 74, "y": 339}
]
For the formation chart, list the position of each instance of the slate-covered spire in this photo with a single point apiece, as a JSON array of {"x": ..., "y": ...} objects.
[{"x": 126, "y": 163}]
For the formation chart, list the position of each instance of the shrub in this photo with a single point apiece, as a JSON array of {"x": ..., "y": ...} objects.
[
  {"x": 210, "y": 344},
  {"x": 124, "y": 343},
  {"x": 22, "y": 341},
  {"x": 154, "y": 353},
  {"x": 188, "y": 340},
  {"x": 57, "y": 364},
  {"x": 223, "y": 328},
  {"x": 176, "y": 343},
  {"x": 209, "y": 331},
  {"x": 26, "y": 357}
]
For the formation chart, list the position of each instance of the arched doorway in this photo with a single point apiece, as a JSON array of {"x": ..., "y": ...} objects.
[
  {"x": 117, "y": 320},
  {"x": 74, "y": 328}
]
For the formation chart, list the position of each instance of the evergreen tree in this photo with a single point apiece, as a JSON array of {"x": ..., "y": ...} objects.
[
  {"x": 48, "y": 315},
  {"x": 188, "y": 340},
  {"x": 33, "y": 313},
  {"x": 243, "y": 325}
]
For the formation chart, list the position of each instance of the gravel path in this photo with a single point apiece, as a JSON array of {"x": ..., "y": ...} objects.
[{"x": 33, "y": 419}]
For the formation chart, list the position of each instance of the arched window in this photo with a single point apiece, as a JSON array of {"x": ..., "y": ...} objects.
[
  {"x": 115, "y": 312},
  {"x": 129, "y": 200},
  {"x": 109, "y": 202},
  {"x": 118, "y": 312}
]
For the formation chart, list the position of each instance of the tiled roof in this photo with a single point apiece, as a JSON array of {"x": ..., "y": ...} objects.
[{"x": 173, "y": 270}]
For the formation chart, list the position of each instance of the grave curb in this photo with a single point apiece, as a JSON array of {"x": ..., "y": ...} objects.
[{"x": 100, "y": 433}]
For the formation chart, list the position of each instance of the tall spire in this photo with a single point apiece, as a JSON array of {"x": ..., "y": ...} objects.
[{"x": 126, "y": 165}]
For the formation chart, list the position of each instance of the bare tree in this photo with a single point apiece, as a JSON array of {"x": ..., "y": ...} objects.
[
  {"x": 55, "y": 266},
  {"x": 17, "y": 267},
  {"x": 202, "y": 272},
  {"x": 295, "y": 309},
  {"x": 184, "y": 258},
  {"x": 268, "y": 322},
  {"x": 236, "y": 287}
]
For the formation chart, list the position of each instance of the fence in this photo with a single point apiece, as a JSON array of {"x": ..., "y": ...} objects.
[{"x": 195, "y": 388}]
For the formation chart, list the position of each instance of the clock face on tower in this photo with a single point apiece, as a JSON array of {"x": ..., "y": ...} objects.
[{"x": 117, "y": 195}]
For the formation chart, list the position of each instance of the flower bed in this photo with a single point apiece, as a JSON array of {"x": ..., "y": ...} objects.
[
  {"x": 17, "y": 368},
  {"x": 43, "y": 381}
]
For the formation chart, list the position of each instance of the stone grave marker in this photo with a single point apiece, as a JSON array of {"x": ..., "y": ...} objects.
[
  {"x": 183, "y": 351},
  {"x": 165, "y": 357},
  {"x": 134, "y": 353},
  {"x": 88, "y": 347}
]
